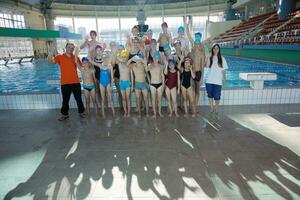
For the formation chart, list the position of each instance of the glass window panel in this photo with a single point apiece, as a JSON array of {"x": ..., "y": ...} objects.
[
  {"x": 173, "y": 24},
  {"x": 64, "y": 21},
  {"x": 126, "y": 25},
  {"x": 154, "y": 24},
  {"x": 83, "y": 26},
  {"x": 109, "y": 29},
  {"x": 199, "y": 24}
]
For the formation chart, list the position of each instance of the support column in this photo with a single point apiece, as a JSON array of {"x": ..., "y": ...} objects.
[
  {"x": 230, "y": 12},
  {"x": 49, "y": 19},
  {"x": 286, "y": 7}
]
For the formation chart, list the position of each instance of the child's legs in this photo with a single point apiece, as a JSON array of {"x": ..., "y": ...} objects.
[
  {"x": 138, "y": 100},
  {"x": 110, "y": 99},
  {"x": 153, "y": 96},
  {"x": 123, "y": 92},
  {"x": 102, "y": 92},
  {"x": 98, "y": 92},
  {"x": 94, "y": 99},
  {"x": 184, "y": 95},
  {"x": 191, "y": 97},
  {"x": 160, "y": 91},
  {"x": 128, "y": 100},
  {"x": 168, "y": 94},
  {"x": 87, "y": 100},
  {"x": 145, "y": 96},
  {"x": 174, "y": 98},
  {"x": 197, "y": 91}
]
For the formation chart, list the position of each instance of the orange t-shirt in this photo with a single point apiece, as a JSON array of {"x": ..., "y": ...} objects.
[{"x": 68, "y": 69}]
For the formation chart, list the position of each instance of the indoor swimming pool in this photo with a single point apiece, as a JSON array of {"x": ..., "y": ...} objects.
[{"x": 34, "y": 77}]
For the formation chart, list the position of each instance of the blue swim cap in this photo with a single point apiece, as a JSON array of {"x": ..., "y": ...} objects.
[
  {"x": 121, "y": 46},
  {"x": 172, "y": 61},
  {"x": 198, "y": 35},
  {"x": 197, "y": 41},
  {"x": 167, "y": 46},
  {"x": 84, "y": 59},
  {"x": 156, "y": 54},
  {"x": 180, "y": 29}
]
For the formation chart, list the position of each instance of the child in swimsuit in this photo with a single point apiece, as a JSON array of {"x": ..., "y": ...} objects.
[
  {"x": 125, "y": 83},
  {"x": 186, "y": 84},
  {"x": 89, "y": 80},
  {"x": 138, "y": 74},
  {"x": 156, "y": 83},
  {"x": 173, "y": 86},
  {"x": 106, "y": 81},
  {"x": 97, "y": 59},
  {"x": 164, "y": 37}
]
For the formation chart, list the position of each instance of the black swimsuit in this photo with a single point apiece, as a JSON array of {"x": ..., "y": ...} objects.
[
  {"x": 116, "y": 71},
  {"x": 186, "y": 79},
  {"x": 156, "y": 85},
  {"x": 97, "y": 69}
]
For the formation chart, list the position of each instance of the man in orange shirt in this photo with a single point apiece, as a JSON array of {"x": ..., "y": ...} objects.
[{"x": 69, "y": 80}]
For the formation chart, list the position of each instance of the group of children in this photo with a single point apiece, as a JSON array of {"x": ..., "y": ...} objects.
[{"x": 141, "y": 65}]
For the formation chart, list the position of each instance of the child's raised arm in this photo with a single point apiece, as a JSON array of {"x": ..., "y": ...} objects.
[{"x": 99, "y": 65}]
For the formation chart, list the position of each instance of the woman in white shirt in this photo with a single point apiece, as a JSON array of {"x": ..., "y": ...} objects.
[{"x": 216, "y": 77}]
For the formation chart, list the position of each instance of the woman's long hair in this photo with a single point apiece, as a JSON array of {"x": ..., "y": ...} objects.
[{"x": 220, "y": 62}]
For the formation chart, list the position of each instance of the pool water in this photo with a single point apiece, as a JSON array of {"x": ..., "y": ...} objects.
[{"x": 32, "y": 77}]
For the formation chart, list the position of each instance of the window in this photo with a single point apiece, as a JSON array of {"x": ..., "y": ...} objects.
[
  {"x": 173, "y": 24},
  {"x": 15, "y": 47},
  {"x": 126, "y": 25},
  {"x": 216, "y": 17},
  {"x": 108, "y": 29},
  {"x": 8, "y": 20},
  {"x": 199, "y": 25},
  {"x": 83, "y": 26},
  {"x": 155, "y": 25},
  {"x": 64, "y": 21}
]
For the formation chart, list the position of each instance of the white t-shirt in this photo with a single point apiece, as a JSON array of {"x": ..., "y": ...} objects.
[{"x": 215, "y": 73}]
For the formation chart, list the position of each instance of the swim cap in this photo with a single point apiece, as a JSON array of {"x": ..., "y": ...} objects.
[
  {"x": 167, "y": 46},
  {"x": 197, "y": 41},
  {"x": 172, "y": 61},
  {"x": 198, "y": 35},
  {"x": 153, "y": 41},
  {"x": 180, "y": 29},
  {"x": 121, "y": 46},
  {"x": 98, "y": 46},
  {"x": 84, "y": 59},
  {"x": 187, "y": 58},
  {"x": 177, "y": 42},
  {"x": 124, "y": 54},
  {"x": 156, "y": 54}
]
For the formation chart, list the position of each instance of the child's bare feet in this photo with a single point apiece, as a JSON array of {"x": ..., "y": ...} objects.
[
  {"x": 170, "y": 115},
  {"x": 125, "y": 114},
  {"x": 113, "y": 112},
  {"x": 161, "y": 115},
  {"x": 176, "y": 114},
  {"x": 185, "y": 115}
]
